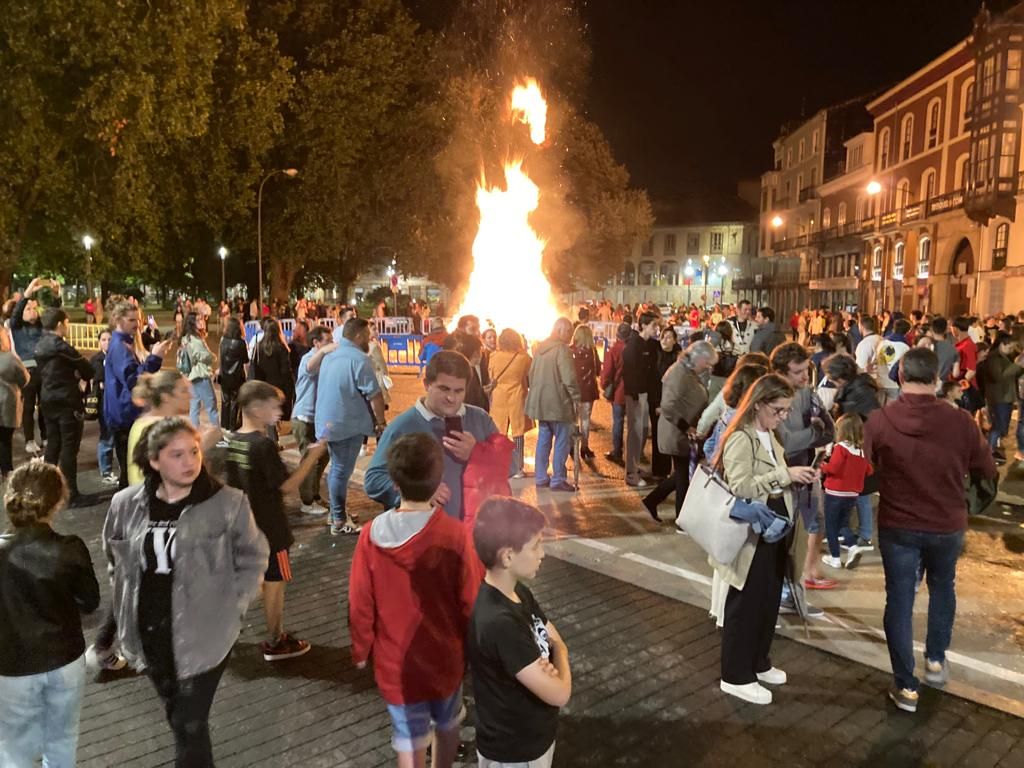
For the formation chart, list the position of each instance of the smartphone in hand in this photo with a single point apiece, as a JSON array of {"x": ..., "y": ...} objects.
[{"x": 452, "y": 424}]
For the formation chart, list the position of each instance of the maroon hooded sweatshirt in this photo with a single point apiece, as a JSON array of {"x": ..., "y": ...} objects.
[{"x": 923, "y": 451}]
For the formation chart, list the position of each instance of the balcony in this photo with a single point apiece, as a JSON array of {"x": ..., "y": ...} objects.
[
  {"x": 805, "y": 194},
  {"x": 800, "y": 241}
]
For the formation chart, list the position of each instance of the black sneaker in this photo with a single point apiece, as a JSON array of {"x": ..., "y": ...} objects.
[
  {"x": 287, "y": 647},
  {"x": 615, "y": 458}
]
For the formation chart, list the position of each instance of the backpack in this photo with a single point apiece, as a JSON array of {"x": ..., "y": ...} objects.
[{"x": 184, "y": 362}]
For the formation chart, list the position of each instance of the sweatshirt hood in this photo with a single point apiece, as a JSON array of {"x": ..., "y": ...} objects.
[
  {"x": 397, "y": 535},
  {"x": 204, "y": 487},
  {"x": 913, "y": 415},
  {"x": 547, "y": 345}
]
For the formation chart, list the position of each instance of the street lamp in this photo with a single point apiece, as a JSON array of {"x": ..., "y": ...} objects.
[
  {"x": 707, "y": 261},
  {"x": 223, "y": 253},
  {"x": 777, "y": 221},
  {"x": 291, "y": 173},
  {"x": 874, "y": 187},
  {"x": 688, "y": 271},
  {"x": 87, "y": 243}
]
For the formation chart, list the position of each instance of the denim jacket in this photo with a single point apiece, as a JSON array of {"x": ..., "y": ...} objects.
[{"x": 220, "y": 559}]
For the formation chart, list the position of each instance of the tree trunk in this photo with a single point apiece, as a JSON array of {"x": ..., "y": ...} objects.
[{"x": 281, "y": 279}]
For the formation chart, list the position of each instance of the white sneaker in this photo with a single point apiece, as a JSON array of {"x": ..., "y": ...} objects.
[
  {"x": 853, "y": 555},
  {"x": 773, "y": 676},
  {"x": 32, "y": 449},
  {"x": 362, "y": 450},
  {"x": 832, "y": 562},
  {"x": 755, "y": 693},
  {"x": 313, "y": 509},
  {"x": 109, "y": 479}
]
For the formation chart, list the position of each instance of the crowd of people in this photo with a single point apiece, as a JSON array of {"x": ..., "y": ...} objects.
[{"x": 812, "y": 424}]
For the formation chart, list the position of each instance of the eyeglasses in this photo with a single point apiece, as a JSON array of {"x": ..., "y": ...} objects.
[{"x": 780, "y": 412}]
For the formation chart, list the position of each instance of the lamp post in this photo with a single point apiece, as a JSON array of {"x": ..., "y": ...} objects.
[
  {"x": 291, "y": 173},
  {"x": 707, "y": 261},
  {"x": 87, "y": 242},
  {"x": 722, "y": 272},
  {"x": 223, "y": 253},
  {"x": 688, "y": 271}
]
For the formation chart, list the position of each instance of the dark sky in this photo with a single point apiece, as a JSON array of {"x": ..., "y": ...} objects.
[{"x": 691, "y": 94}]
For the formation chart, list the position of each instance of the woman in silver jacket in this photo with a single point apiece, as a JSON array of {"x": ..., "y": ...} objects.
[
  {"x": 187, "y": 559},
  {"x": 755, "y": 468}
]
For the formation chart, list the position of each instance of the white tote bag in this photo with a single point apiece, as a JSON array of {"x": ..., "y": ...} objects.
[{"x": 705, "y": 516}]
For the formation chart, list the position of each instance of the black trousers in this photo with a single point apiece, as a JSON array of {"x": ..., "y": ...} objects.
[
  {"x": 121, "y": 451},
  {"x": 6, "y": 450},
  {"x": 678, "y": 482},
  {"x": 751, "y": 613},
  {"x": 661, "y": 463},
  {"x": 187, "y": 703},
  {"x": 29, "y": 398},
  {"x": 64, "y": 428},
  {"x": 229, "y": 409}
]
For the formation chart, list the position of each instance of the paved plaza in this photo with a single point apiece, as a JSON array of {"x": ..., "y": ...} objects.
[{"x": 629, "y": 598}]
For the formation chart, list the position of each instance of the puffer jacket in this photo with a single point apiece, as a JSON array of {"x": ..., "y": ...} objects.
[
  {"x": 61, "y": 368},
  {"x": 554, "y": 390},
  {"x": 220, "y": 557}
]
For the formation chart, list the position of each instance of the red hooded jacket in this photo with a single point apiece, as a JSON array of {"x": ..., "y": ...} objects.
[
  {"x": 611, "y": 371},
  {"x": 409, "y": 607}
]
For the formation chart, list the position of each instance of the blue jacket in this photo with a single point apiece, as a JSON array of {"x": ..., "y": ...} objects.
[
  {"x": 379, "y": 485},
  {"x": 25, "y": 335},
  {"x": 121, "y": 371}
]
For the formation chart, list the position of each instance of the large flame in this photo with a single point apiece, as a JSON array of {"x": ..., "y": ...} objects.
[{"x": 507, "y": 285}]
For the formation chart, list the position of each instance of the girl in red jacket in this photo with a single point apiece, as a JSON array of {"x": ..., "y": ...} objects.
[{"x": 844, "y": 474}]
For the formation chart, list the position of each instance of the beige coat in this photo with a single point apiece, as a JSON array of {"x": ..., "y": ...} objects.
[
  {"x": 554, "y": 392},
  {"x": 13, "y": 376},
  {"x": 750, "y": 473},
  {"x": 683, "y": 399},
  {"x": 508, "y": 399}
]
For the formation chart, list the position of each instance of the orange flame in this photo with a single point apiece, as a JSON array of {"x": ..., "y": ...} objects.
[{"x": 507, "y": 285}]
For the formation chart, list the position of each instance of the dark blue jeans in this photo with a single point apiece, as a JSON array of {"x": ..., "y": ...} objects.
[
  {"x": 1000, "y": 414},
  {"x": 903, "y": 552},
  {"x": 837, "y": 522},
  {"x": 618, "y": 418}
]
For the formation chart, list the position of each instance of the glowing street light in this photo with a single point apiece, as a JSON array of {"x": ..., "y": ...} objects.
[
  {"x": 688, "y": 271},
  {"x": 874, "y": 187},
  {"x": 777, "y": 221},
  {"x": 223, "y": 253},
  {"x": 87, "y": 241}
]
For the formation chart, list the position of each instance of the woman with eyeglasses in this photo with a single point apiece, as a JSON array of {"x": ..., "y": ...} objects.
[{"x": 752, "y": 459}]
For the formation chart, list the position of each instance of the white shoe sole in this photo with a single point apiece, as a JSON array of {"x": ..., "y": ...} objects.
[
  {"x": 758, "y": 695},
  {"x": 283, "y": 656},
  {"x": 773, "y": 677}
]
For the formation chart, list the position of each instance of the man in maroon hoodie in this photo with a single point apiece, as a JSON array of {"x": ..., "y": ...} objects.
[
  {"x": 611, "y": 378},
  {"x": 922, "y": 450}
]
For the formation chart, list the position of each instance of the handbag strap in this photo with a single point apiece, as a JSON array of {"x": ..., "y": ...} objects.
[{"x": 495, "y": 379}]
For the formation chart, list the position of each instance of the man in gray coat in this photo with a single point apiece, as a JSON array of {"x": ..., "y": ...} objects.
[{"x": 552, "y": 402}]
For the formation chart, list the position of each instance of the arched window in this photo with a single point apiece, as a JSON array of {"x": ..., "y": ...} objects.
[
  {"x": 826, "y": 218},
  {"x": 966, "y": 103},
  {"x": 1002, "y": 241},
  {"x": 907, "y": 141},
  {"x": 902, "y": 199},
  {"x": 934, "y": 118},
  {"x": 928, "y": 184},
  {"x": 669, "y": 273},
  {"x": 960, "y": 177},
  {"x": 800, "y": 151},
  {"x": 924, "y": 256},
  {"x": 628, "y": 276},
  {"x": 841, "y": 215},
  {"x": 648, "y": 273},
  {"x": 898, "y": 258},
  {"x": 876, "y": 264},
  {"x": 883, "y": 148}
]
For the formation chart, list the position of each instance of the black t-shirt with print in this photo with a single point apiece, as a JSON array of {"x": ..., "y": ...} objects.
[
  {"x": 155, "y": 612},
  {"x": 255, "y": 467},
  {"x": 504, "y": 637}
]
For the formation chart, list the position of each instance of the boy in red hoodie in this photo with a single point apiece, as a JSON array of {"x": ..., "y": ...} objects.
[
  {"x": 844, "y": 473},
  {"x": 411, "y": 593}
]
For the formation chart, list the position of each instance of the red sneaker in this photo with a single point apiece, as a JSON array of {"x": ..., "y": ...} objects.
[
  {"x": 820, "y": 583},
  {"x": 287, "y": 647}
]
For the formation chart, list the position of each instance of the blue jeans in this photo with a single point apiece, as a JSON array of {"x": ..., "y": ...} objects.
[
  {"x": 39, "y": 716},
  {"x": 561, "y": 432},
  {"x": 202, "y": 392},
  {"x": 1000, "y": 414},
  {"x": 618, "y": 419},
  {"x": 903, "y": 553},
  {"x": 865, "y": 517},
  {"x": 105, "y": 451},
  {"x": 343, "y": 463},
  {"x": 837, "y": 522}
]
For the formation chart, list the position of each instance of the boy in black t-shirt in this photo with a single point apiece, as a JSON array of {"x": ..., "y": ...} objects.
[
  {"x": 520, "y": 664},
  {"x": 254, "y": 466}
]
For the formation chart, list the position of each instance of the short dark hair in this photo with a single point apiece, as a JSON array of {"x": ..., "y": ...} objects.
[
  {"x": 319, "y": 333},
  {"x": 256, "y": 392},
  {"x": 962, "y": 324},
  {"x": 901, "y": 327},
  {"x": 99, "y": 335},
  {"x": 840, "y": 367},
  {"x": 465, "y": 320},
  {"x": 940, "y": 326},
  {"x": 743, "y": 303},
  {"x": 448, "y": 362},
  {"x": 767, "y": 313},
  {"x": 415, "y": 463},
  {"x": 504, "y": 522},
  {"x": 919, "y": 365},
  {"x": 646, "y": 318},
  {"x": 868, "y": 323},
  {"x": 790, "y": 352},
  {"x": 52, "y": 317},
  {"x": 623, "y": 332},
  {"x": 353, "y": 327}
]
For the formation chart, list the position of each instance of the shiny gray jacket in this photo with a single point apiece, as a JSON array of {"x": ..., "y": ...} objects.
[{"x": 220, "y": 559}]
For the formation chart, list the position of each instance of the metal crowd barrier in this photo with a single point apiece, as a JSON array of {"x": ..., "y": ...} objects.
[{"x": 85, "y": 336}]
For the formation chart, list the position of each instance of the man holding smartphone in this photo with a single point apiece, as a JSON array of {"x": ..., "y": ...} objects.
[{"x": 442, "y": 413}]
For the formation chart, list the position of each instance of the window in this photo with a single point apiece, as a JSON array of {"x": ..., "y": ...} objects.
[
  {"x": 999, "y": 252},
  {"x": 789, "y": 189},
  {"x": 934, "y": 108},
  {"x": 648, "y": 273},
  {"x": 789, "y": 157},
  {"x": 988, "y": 77},
  {"x": 907, "y": 144},
  {"x": 924, "y": 256},
  {"x": 628, "y": 274},
  {"x": 856, "y": 158},
  {"x": 814, "y": 143},
  {"x": 876, "y": 264},
  {"x": 961, "y": 169},
  {"x": 826, "y": 218},
  {"x": 799, "y": 183},
  {"x": 692, "y": 243},
  {"x": 897, "y": 261},
  {"x": 966, "y": 104},
  {"x": 814, "y": 177},
  {"x": 928, "y": 185},
  {"x": 800, "y": 151},
  {"x": 883, "y": 149},
  {"x": 716, "y": 242},
  {"x": 669, "y": 248},
  {"x": 841, "y": 215},
  {"x": 902, "y": 194},
  {"x": 669, "y": 273},
  {"x": 1012, "y": 70}
]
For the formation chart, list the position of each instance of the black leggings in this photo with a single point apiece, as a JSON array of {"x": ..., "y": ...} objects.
[
  {"x": 121, "y": 449},
  {"x": 187, "y": 704},
  {"x": 678, "y": 482},
  {"x": 29, "y": 398},
  {"x": 6, "y": 450}
]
